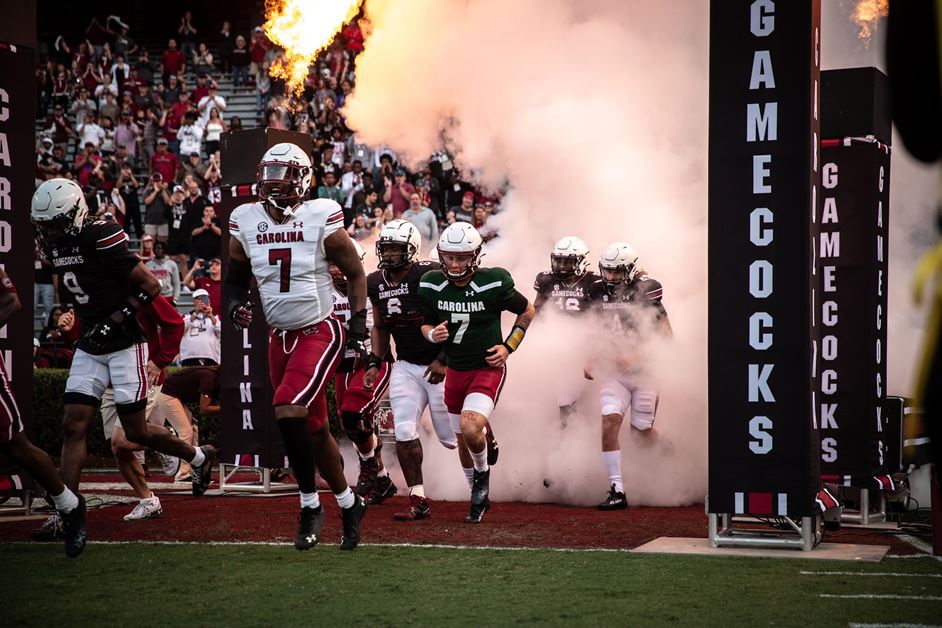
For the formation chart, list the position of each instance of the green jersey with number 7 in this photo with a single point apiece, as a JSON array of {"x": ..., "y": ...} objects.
[{"x": 472, "y": 313}]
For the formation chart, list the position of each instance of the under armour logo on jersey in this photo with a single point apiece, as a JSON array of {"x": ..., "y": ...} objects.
[
  {"x": 297, "y": 225},
  {"x": 469, "y": 293},
  {"x": 262, "y": 227}
]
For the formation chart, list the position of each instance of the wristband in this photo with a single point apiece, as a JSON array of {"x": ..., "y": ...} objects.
[
  {"x": 143, "y": 297},
  {"x": 374, "y": 361},
  {"x": 128, "y": 311},
  {"x": 515, "y": 338},
  {"x": 428, "y": 336}
]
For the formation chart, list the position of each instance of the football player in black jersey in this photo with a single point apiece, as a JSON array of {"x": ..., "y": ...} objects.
[
  {"x": 419, "y": 370},
  {"x": 15, "y": 444},
  {"x": 629, "y": 303},
  {"x": 108, "y": 284},
  {"x": 565, "y": 288}
]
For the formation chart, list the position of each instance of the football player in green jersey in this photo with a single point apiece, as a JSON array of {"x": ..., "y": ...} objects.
[{"x": 463, "y": 304}]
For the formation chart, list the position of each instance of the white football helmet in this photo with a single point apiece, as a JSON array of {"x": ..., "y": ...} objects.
[
  {"x": 58, "y": 208},
  {"x": 462, "y": 241},
  {"x": 618, "y": 257},
  {"x": 397, "y": 237},
  {"x": 570, "y": 258},
  {"x": 284, "y": 176}
]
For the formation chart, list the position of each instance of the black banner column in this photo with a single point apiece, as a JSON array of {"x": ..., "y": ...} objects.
[
  {"x": 248, "y": 434},
  {"x": 17, "y": 183},
  {"x": 764, "y": 72}
]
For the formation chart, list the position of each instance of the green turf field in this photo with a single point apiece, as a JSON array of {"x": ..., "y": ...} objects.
[{"x": 206, "y": 585}]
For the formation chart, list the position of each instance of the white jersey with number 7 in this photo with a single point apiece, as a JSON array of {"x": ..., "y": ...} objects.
[{"x": 289, "y": 261}]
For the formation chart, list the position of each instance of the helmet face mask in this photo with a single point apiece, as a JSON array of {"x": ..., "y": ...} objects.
[
  {"x": 460, "y": 251},
  {"x": 283, "y": 177},
  {"x": 618, "y": 266},
  {"x": 565, "y": 266},
  {"x": 58, "y": 210},
  {"x": 458, "y": 266},
  {"x": 569, "y": 258},
  {"x": 394, "y": 255},
  {"x": 615, "y": 277}
]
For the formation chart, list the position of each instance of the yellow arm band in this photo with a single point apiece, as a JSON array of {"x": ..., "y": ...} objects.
[{"x": 515, "y": 338}]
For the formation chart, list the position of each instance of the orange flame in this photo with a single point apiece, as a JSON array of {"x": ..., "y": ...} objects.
[
  {"x": 303, "y": 28},
  {"x": 867, "y": 14}
]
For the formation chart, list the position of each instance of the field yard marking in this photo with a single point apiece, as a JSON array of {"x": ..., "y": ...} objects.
[
  {"x": 880, "y": 596},
  {"x": 929, "y": 556},
  {"x": 870, "y": 573},
  {"x": 852, "y": 625},
  {"x": 919, "y": 544}
]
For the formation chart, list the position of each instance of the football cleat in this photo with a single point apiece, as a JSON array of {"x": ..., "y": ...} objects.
[
  {"x": 203, "y": 474},
  {"x": 419, "y": 508},
  {"x": 367, "y": 480},
  {"x": 480, "y": 502},
  {"x": 73, "y": 529},
  {"x": 145, "y": 509},
  {"x": 615, "y": 501},
  {"x": 50, "y": 530},
  {"x": 350, "y": 518},
  {"x": 382, "y": 490},
  {"x": 493, "y": 449},
  {"x": 309, "y": 528}
]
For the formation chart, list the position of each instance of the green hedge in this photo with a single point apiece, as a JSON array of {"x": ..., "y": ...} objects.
[{"x": 46, "y": 421}]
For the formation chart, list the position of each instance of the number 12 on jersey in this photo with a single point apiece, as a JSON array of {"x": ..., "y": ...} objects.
[{"x": 464, "y": 320}]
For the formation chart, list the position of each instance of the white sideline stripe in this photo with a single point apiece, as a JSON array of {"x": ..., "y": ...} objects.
[
  {"x": 893, "y": 625},
  {"x": 570, "y": 550},
  {"x": 929, "y": 556},
  {"x": 870, "y": 573},
  {"x": 920, "y": 545},
  {"x": 880, "y": 596}
]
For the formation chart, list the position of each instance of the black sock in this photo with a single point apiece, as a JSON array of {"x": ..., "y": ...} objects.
[{"x": 300, "y": 450}]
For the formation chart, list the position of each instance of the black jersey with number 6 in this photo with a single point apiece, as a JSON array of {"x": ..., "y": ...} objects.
[
  {"x": 93, "y": 269},
  {"x": 570, "y": 296},
  {"x": 401, "y": 312}
]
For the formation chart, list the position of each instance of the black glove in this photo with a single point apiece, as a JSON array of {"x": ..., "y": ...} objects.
[
  {"x": 357, "y": 335},
  {"x": 240, "y": 313}
]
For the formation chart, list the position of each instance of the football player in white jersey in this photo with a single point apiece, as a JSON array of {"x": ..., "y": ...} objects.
[
  {"x": 288, "y": 244},
  {"x": 356, "y": 402}
]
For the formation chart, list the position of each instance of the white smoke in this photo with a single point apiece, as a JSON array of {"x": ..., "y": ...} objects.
[{"x": 596, "y": 114}]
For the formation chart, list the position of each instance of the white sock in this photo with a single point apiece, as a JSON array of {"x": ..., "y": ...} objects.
[
  {"x": 613, "y": 464},
  {"x": 198, "y": 458},
  {"x": 66, "y": 501},
  {"x": 345, "y": 499},
  {"x": 468, "y": 474},
  {"x": 365, "y": 456},
  {"x": 151, "y": 498},
  {"x": 382, "y": 473},
  {"x": 480, "y": 460},
  {"x": 418, "y": 490},
  {"x": 140, "y": 456},
  {"x": 310, "y": 500}
]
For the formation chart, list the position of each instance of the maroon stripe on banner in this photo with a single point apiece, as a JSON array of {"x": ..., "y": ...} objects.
[
  {"x": 830, "y": 143},
  {"x": 760, "y": 504},
  {"x": 246, "y": 460}
]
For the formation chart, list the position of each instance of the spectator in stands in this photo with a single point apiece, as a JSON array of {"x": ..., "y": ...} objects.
[
  {"x": 172, "y": 91},
  {"x": 201, "y": 89},
  {"x": 81, "y": 105},
  {"x": 179, "y": 109},
  {"x": 424, "y": 220},
  {"x": 215, "y": 126},
  {"x": 213, "y": 180},
  {"x": 90, "y": 132},
  {"x": 465, "y": 211},
  {"x": 226, "y": 44},
  {"x": 346, "y": 88},
  {"x": 101, "y": 93},
  {"x": 178, "y": 233},
  {"x": 109, "y": 108},
  {"x": 262, "y": 89},
  {"x": 191, "y": 167},
  {"x": 359, "y": 230},
  {"x": 352, "y": 38},
  {"x": 173, "y": 61},
  {"x": 85, "y": 162},
  {"x": 190, "y": 135},
  {"x": 211, "y": 283},
  {"x": 145, "y": 67},
  {"x": 58, "y": 127},
  {"x": 107, "y": 141},
  {"x": 370, "y": 200},
  {"x": 120, "y": 72},
  {"x": 164, "y": 162},
  {"x": 202, "y": 59},
  {"x": 146, "y": 252},
  {"x": 166, "y": 271},
  {"x": 43, "y": 90},
  {"x": 376, "y": 222},
  {"x": 399, "y": 193},
  {"x": 330, "y": 189},
  {"x": 126, "y": 134},
  {"x": 123, "y": 44},
  {"x": 240, "y": 62},
  {"x": 201, "y": 334},
  {"x": 187, "y": 33},
  {"x": 126, "y": 184},
  {"x": 207, "y": 236},
  {"x": 208, "y": 102},
  {"x": 45, "y": 283},
  {"x": 258, "y": 47},
  {"x": 235, "y": 123}
]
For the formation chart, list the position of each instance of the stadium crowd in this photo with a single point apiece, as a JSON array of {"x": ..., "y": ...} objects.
[{"x": 138, "y": 128}]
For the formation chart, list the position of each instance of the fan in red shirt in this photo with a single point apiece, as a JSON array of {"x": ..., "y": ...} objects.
[
  {"x": 172, "y": 58},
  {"x": 164, "y": 162}
]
